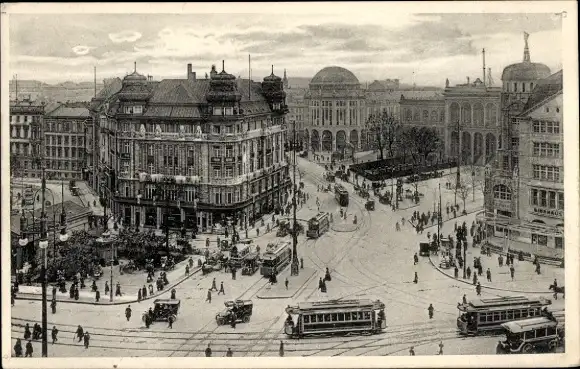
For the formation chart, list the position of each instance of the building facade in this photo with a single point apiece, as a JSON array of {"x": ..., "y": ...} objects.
[
  {"x": 64, "y": 141},
  {"x": 524, "y": 193},
  {"x": 336, "y": 112},
  {"x": 472, "y": 113},
  {"x": 425, "y": 112},
  {"x": 26, "y": 138},
  {"x": 383, "y": 96},
  {"x": 193, "y": 152}
]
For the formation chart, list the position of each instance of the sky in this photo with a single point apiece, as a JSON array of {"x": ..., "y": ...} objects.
[{"x": 421, "y": 48}]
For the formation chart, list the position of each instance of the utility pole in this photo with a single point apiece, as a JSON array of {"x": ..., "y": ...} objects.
[
  {"x": 458, "y": 178},
  {"x": 295, "y": 265},
  {"x": 43, "y": 244}
]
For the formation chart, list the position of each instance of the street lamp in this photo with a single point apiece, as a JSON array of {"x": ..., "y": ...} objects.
[
  {"x": 43, "y": 244},
  {"x": 295, "y": 267}
]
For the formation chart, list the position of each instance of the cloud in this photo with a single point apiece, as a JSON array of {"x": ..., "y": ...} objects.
[
  {"x": 125, "y": 36},
  {"x": 81, "y": 50}
]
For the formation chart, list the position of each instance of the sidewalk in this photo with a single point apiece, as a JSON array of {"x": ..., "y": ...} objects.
[
  {"x": 525, "y": 278},
  {"x": 295, "y": 284},
  {"x": 130, "y": 283}
]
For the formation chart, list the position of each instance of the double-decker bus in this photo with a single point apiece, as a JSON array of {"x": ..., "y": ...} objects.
[
  {"x": 335, "y": 317},
  {"x": 341, "y": 195},
  {"x": 275, "y": 258},
  {"x": 487, "y": 315},
  {"x": 242, "y": 251},
  {"x": 527, "y": 336},
  {"x": 318, "y": 225}
]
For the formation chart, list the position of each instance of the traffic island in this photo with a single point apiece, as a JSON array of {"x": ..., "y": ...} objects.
[
  {"x": 343, "y": 225},
  {"x": 295, "y": 284}
]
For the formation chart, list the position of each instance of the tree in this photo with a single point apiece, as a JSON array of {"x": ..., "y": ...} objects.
[
  {"x": 385, "y": 129},
  {"x": 427, "y": 141},
  {"x": 463, "y": 190}
]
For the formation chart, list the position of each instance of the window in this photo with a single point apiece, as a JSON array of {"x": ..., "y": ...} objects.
[
  {"x": 546, "y": 173},
  {"x": 552, "y": 200},
  {"x": 561, "y": 200},
  {"x": 546, "y": 149},
  {"x": 306, "y": 319},
  {"x": 60, "y": 140},
  {"x": 217, "y": 151},
  {"x": 229, "y": 111},
  {"x": 502, "y": 192},
  {"x": 138, "y": 109},
  {"x": 545, "y": 127},
  {"x": 218, "y": 198},
  {"x": 216, "y": 129},
  {"x": 216, "y": 172},
  {"x": 534, "y": 197},
  {"x": 217, "y": 111},
  {"x": 229, "y": 172},
  {"x": 229, "y": 151}
]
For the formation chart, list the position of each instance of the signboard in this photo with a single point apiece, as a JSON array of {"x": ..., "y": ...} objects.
[
  {"x": 125, "y": 156},
  {"x": 216, "y": 160}
]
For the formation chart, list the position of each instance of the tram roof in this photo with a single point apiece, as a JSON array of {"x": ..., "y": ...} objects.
[
  {"x": 505, "y": 302},
  {"x": 275, "y": 248},
  {"x": 524, "y": 325},
  {"x": 333, "y": 304}
]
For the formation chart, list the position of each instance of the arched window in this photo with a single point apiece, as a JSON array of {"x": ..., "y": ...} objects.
[
  {"x": 454, "y": 111},
  {"x": 434, "y": 116},
  {"x": 442, "y": 115},
  {"x": 466, "y": 113},
  {"x": 408, "y": 115},
  {"x": 416, "y": 115},
  {"x": 425, "y": 116},
  {"x": 502, "y": 192}
]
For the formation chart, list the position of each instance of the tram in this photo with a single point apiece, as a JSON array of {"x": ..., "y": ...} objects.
[
  {"x": 318, "y": 225},
  {"x": 341, "y": 195},
  {"x": 275, "y": 258},
  {"x": 487, "y": 315},
  {"x": 335, "y": 317}
]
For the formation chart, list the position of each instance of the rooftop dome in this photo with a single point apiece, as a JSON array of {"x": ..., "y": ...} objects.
[
  {"x": 135, "y": 77},
  {"x": 335, "y": 75},
  {"x": 526, "y": 70}
]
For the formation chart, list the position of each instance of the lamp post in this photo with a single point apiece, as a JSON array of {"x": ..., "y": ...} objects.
[
  {"x": 295, "y": 267},
  {"x": 43, "y": 244}
]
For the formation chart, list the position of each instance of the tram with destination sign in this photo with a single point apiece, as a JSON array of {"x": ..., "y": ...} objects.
[
  {"x": 487, "y": 315},
  {"x": 318, "y": 225},
  {"x": 335, "y": 317},
  {"x": 275, "y": 258},
  {"x": 341, "y": 195}
]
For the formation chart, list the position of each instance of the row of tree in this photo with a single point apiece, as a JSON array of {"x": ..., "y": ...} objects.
[{"x": 391, "y": 137}]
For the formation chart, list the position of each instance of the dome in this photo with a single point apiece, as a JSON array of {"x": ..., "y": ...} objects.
[
  {"x": 135, "y": 77},
  {"x": 272, "y": 78},
  {"x": 335, "y": 75},
  {"x": 525, "y": 71},
  {"x": 223, "y": 75}
]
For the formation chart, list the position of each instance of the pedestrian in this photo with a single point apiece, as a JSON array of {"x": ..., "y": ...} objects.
[
  {"x": 118, "y": 290},
  {"x": 415, "y": 259},
  {"x": 27, "y": 333},
  {"x": 76, "y": 293},
  {"x": 440, "y": 348},
  {"x": 320, "y": 283},
  {"x": 478, "y": 289},
  {"x": 412, "y": 351},
  {"x": 151, "y": 291},
  {"x": 512, "y": 271},
  {"x": 301, "y": 263},
  {"x": 416, "y": 279},
  {"x": 286, "y": 282},
  {"x": 106, "y": 288},
  {"x": 456, "y": 272},
  {"x": 464, "y": 300},
  {"x": 431, "y": 309},
  {"x": 555, "y": 284},
  {"x": 128, "y": 312},
  {"x": 475, "y": 278},
  {"x": 36, "y": 331},
  {"x": 281, "y": 350},
  {"x": 94, "y": 286},
  {"x": 229, "y": 353},
  {"x": 397, "y": 226},
  {"x": 258, "y": 232},
  {"x": 86, "y": 339},
  {"x": 468, "y": 272},
  {"x": 170, "y": 321},
  {"x": 18, "y": 348},
  {"x": 80, "y": 333},
  {"x": 97, "y": 295},
  {"x": 54, "y": 292},
  {"x": 54, "y": 334},
  {"x": 208, "y": 298},
  {"x": 488, "y": 274},
  {"x": 144, "y": 292},
  {"x": 500, "y": 261},
  {"x": 29, "y": 349},
  {"x": 208, "y": 351},
  {"x": 213, "y": 285},
  {"x": 538, "y": 271},
  {"x": 53, "y": 305}
]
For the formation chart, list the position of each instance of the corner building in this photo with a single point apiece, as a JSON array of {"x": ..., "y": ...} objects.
[{"x": 217, "y": 141}]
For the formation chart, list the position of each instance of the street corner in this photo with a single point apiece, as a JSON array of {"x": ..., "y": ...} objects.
[{"x": 295, "y": 284}]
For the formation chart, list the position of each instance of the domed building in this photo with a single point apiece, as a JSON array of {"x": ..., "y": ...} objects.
[{"x": 335, "y": 119}]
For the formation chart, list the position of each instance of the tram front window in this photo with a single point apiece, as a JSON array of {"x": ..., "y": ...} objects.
[
  {"x": 268, "y": 263},
  {"x": 513, "y": 339}
]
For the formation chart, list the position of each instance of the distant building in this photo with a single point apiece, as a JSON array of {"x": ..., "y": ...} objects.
[
  {"x": 26, "y": 138},
  {"x": 383, "y": 96},
  {"x": 336, "y": 112},
  {"x": 425, "y": 110},
  {"x": 524, "y": 191},
  {"x": 474, "y": 108},
  {"x": 65, "y": 141}
]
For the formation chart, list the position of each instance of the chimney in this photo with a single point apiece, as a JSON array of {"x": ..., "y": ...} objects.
[
  {"x": 467, "y": 80},
  {"x": 189, "y": 72}
]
